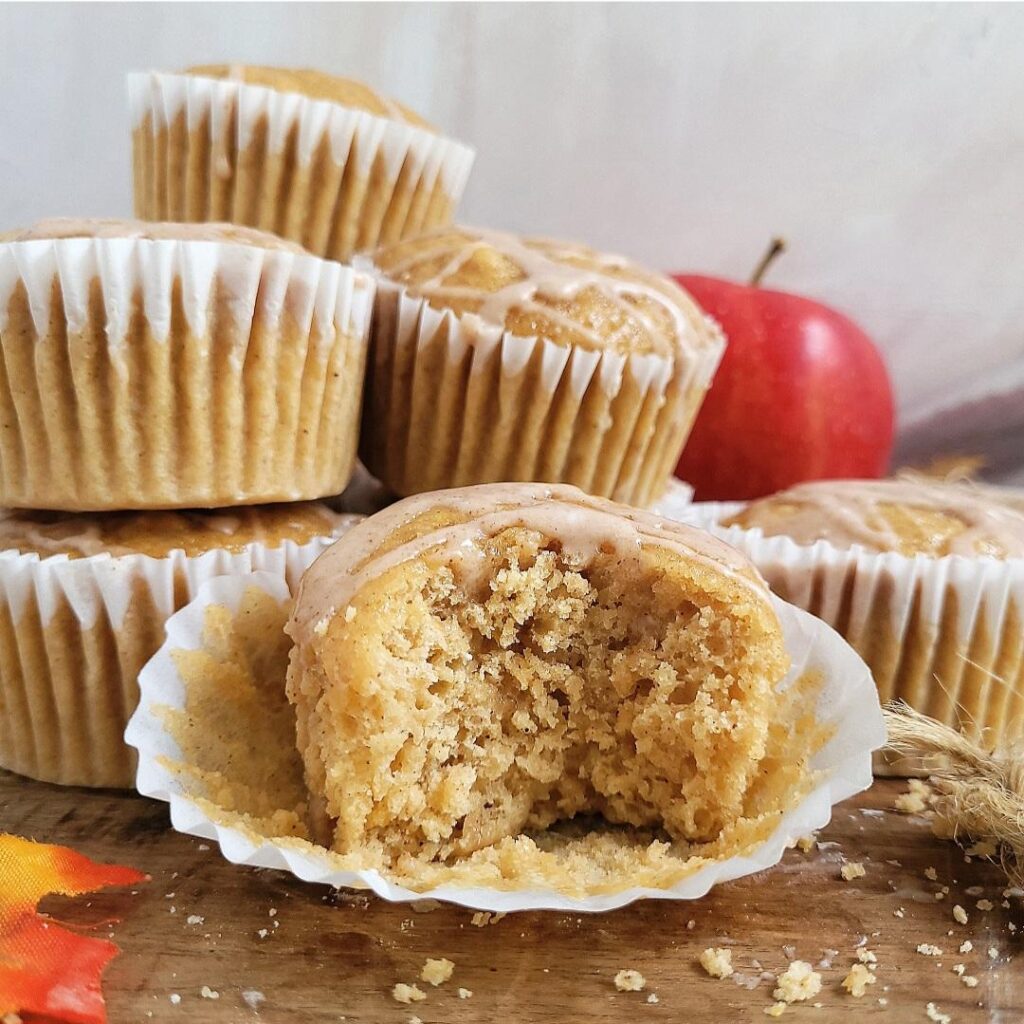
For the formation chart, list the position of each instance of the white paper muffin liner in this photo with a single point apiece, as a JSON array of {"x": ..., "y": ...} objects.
[
  {"x": 74, "y": 633},
  {"x": 847, "y": 700},
  {"x": 452, "y": 400},
  {"x": 176, "y": 373},
  {"x": 943, "y": 634},
  {"x": 205, "y": 149}
]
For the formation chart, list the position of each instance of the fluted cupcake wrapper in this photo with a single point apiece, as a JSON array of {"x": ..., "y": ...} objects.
[
  {"x": 946, "y": 635},
  {"x": 139, "y": 373},
  {"x": 452, "y": 401},
  {"x": 74, "y": 634},
  {"x": 334, "y": 179},
  {"x": 846, "y": 707}
]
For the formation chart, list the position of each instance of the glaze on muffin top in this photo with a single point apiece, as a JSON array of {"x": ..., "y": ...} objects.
[
  {"x": 80, "y": 535},
  {"x": 315, "y": 85},
  {"x": 910, "y": 516},
  {"x": 565, "y": 293}
]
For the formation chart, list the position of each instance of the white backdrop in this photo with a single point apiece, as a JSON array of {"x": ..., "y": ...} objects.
[{"x": 885, "y": 142}]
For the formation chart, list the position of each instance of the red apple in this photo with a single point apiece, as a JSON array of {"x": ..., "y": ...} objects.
[{"x": 801, "y": 394}]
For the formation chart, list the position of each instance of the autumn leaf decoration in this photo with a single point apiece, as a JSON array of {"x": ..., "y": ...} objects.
[{"x": 45, "y": 970}]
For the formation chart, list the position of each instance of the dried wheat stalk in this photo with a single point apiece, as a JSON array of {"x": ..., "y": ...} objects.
[{"x": 979, "y": 794}]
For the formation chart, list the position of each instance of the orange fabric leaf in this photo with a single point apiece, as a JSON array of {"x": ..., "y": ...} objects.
[{"x": 44, "y": 968}]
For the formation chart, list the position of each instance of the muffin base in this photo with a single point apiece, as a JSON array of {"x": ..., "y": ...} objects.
[
  {"x": 451, "y": 402},
  {"x": 74, "y": 635},
  {"x": 944, "y": 635},
  {"x": 333, "y": 179},
  {"x": 163, "y": 374}
]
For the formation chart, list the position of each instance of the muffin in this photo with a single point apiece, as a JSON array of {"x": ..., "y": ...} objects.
[
  {"x": 925, "y": 579},
  {"x": 83, "y": 601},
  {"x": 175, "y": 366},
  {"x": 503, "y": 358},
  {"x": 325, "y": 161},
  {"x": 481, "y": 662}
]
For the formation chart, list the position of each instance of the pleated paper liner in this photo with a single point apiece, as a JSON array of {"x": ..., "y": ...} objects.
[
  {"x": 198, "y": 752},
  {"x": 74, "y": 634},
  {"x": 334, "y": 179},
  {"x": 138, "y": 373},
  {"x": 946, "y": 635},
  {"x": 452, "y": 401}
]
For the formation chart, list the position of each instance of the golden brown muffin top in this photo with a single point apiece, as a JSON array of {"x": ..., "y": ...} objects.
[
  {"x": 316, "y": 85},
  {"x": 99, "y": 227},
  {"x": 563, "y": 292},
  {"x": 79, "y": 535},
  {"x": 458, "y": 519},
  {"x": 910, "y": 516}
]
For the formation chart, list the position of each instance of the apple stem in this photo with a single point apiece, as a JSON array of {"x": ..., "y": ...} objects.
[{"x": 776, "y": 249}]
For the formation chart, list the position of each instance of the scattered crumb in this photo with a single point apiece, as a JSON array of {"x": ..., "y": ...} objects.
[
  {"x": 252, "y": 997},
  {"x": 931, "y": 874},
  {"x": 898, "y": 912},
  {"x": 415, "y": 1020},
  {"x": 857, "y": 981},
  {"x": 806, "y": 843},
  {"x": 974, "y": 890},
  {"x": 866, "y": 956},
  {"x": 175, "y": 998},
  {"x": 350, "y": 612},
  {"x": 851, "y": 870},
  {"x": 203, "y": 847},
  {"x": 437, "y": 971},
  {"x": 263, "y": 933},
  {"x": 940, "y": 895},
  {"x": 934, "y": 1014},
  {"x": 652, "y": 998},
  {"x": 915, "y": 801},
  {"x": 969, "y": 980},
  {"x": 985, "y": 905},
  {"x": 959, "y": 969},
  {"x": 208, "y": 993},
  {"x": 465, "y": 993},
  {"x": 484, "y": 917},
  {"x": 690, "y": 925},
  {"x": 403, "y": 993},
  {"x": 959, "y": 914},
  {"x": 194, "y": 919},
  {"x": 426, "y": 906},
  {"x": 272, "y": 912},
  {"x": 630, "y": 981},
  {"x": 717, "y": 962},
  {"x": 798, "y": 982},
  {"x": 882, "y": 1001},
  {"x": 966, "y": 946},
  {"x": 993, "y": 953},
  {"x": 927, "y": 949},
  {"x": 775, "y": 1010}
]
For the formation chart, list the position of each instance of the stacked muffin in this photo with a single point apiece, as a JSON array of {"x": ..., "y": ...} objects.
[
  {"x": 213, "y": 355},
  {"x": 154, "y": 367}
]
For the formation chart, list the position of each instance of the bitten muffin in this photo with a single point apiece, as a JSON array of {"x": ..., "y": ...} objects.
[
  {"x": 83, "y": 601},
  {"x": 925, "y": 579},
  {"x": 325, "y": 161},
  {"x": 479, "y": 663},
  {"x": 503, "y": 358},
  {"x": 175, "y": 366}
]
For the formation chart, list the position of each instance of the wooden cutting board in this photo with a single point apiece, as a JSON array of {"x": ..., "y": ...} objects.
[{"x": 275, "y": 949}]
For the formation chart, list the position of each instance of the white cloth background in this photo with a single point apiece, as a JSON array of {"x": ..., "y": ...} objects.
[{"x": 885, "y": 142}]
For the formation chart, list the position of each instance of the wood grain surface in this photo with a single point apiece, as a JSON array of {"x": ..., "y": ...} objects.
[{"x": 275, "y": 949}]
